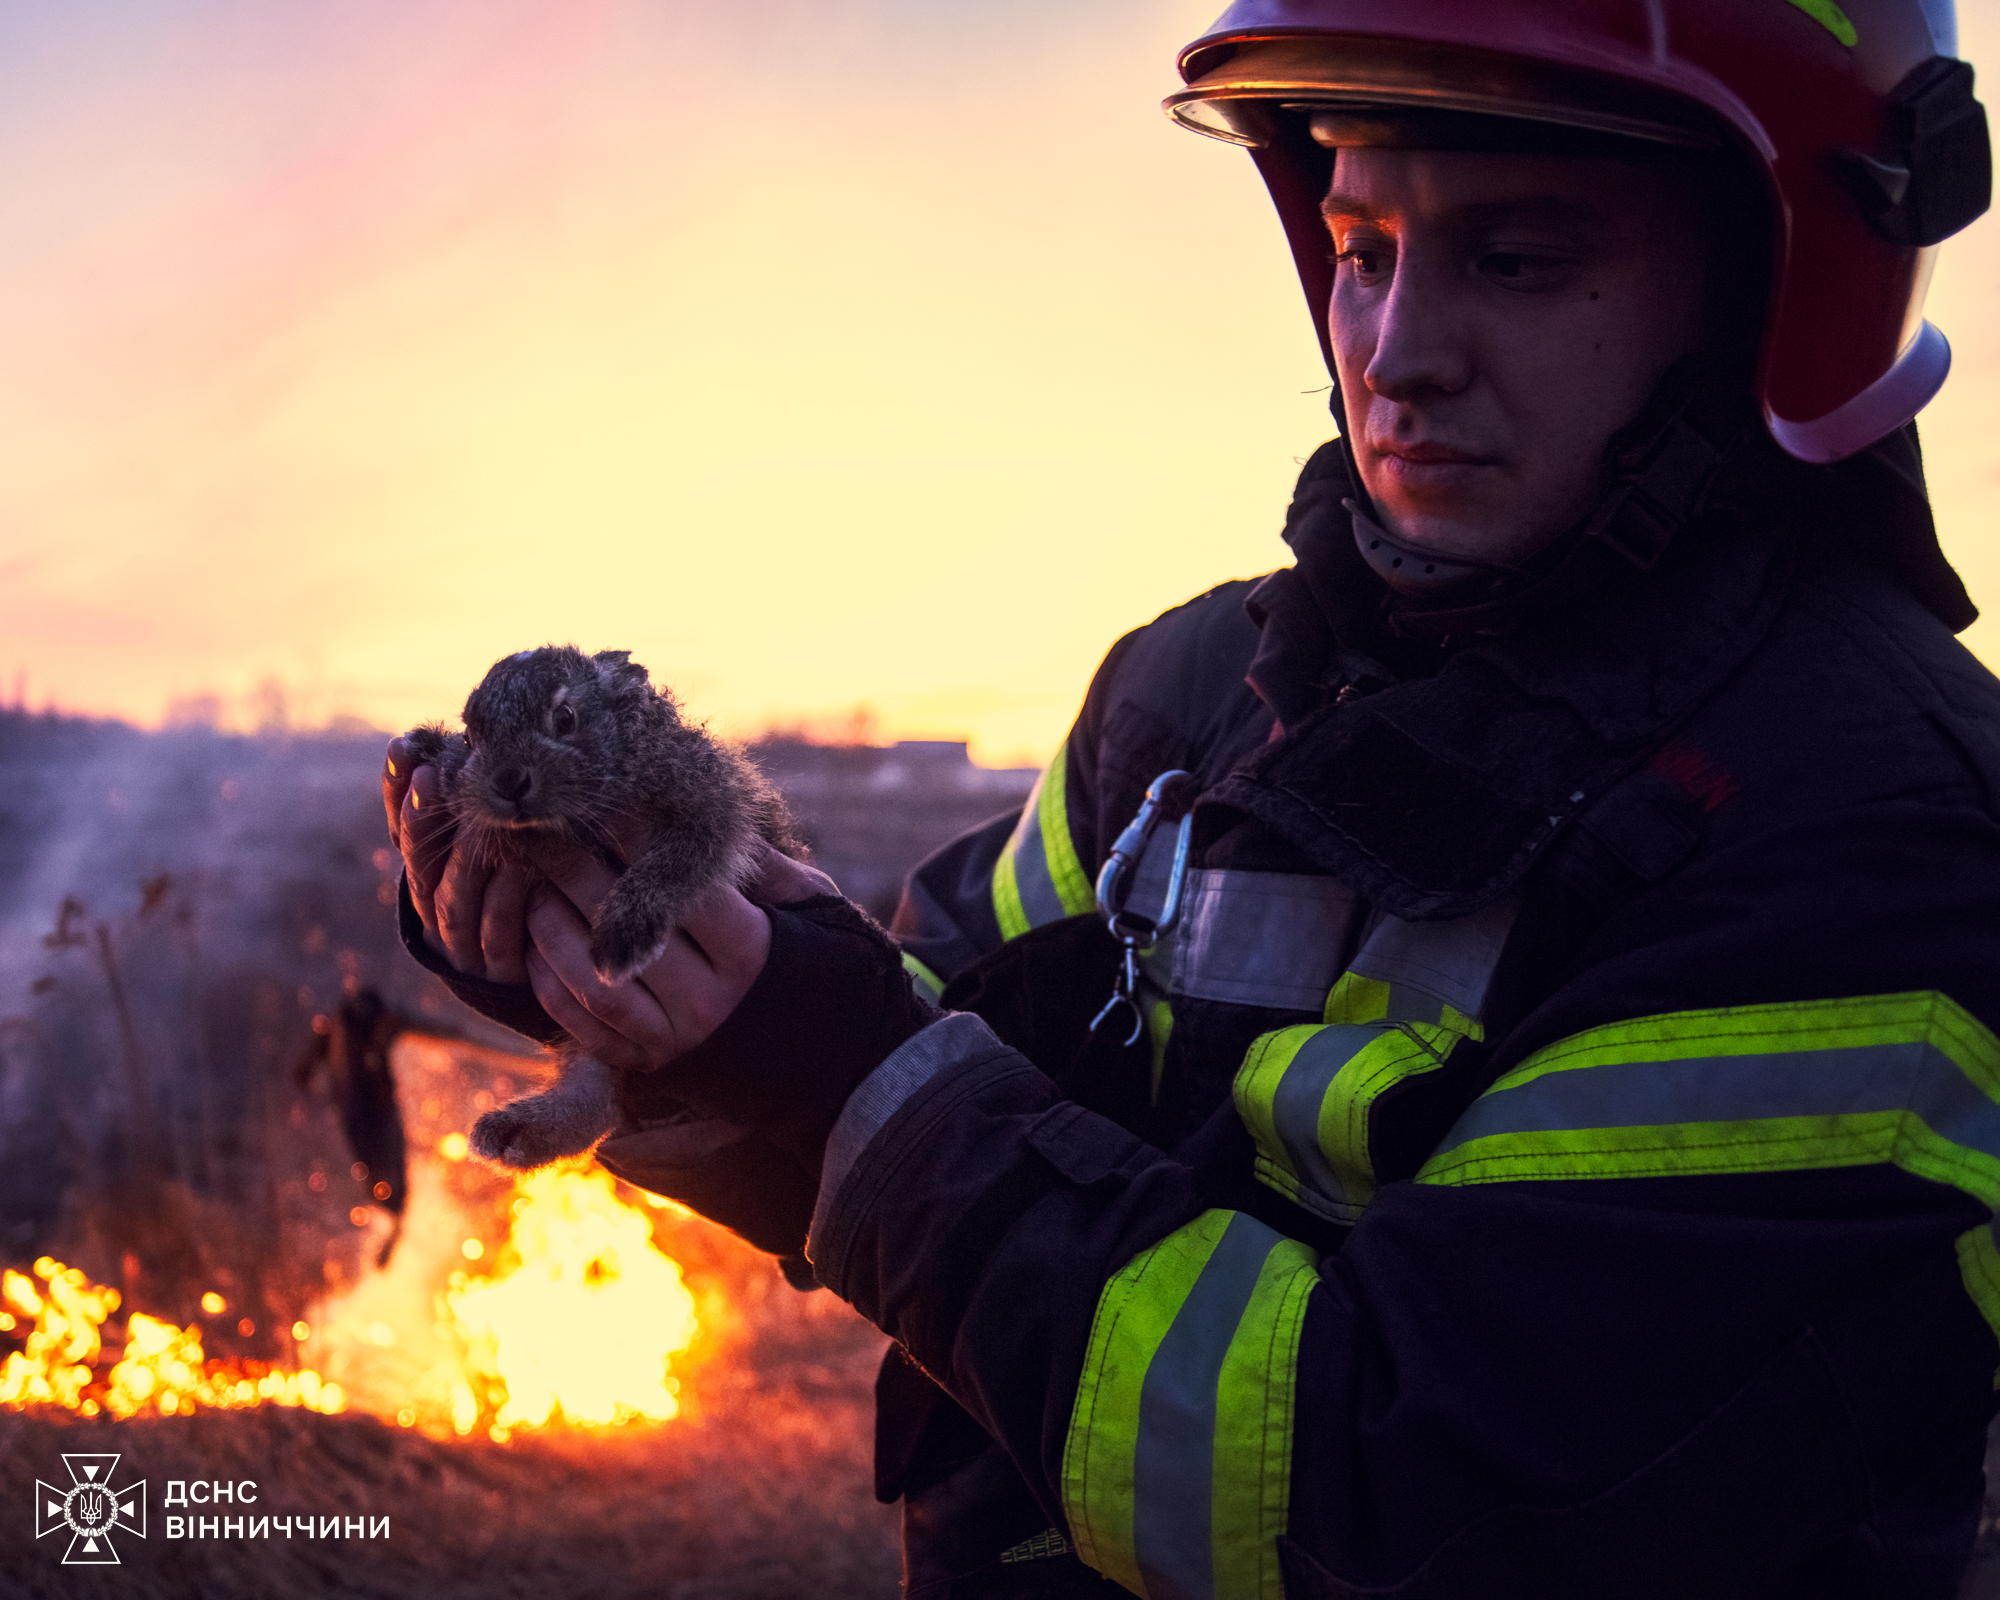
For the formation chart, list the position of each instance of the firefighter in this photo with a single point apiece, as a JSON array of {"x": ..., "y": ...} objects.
[{"x": 1474, "y": 1073}]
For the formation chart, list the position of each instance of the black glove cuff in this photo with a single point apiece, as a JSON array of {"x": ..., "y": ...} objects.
[
  {"x": 731, "y": 1176},
  {"x": 832, "y": 1002},
  {"x": 512, "y": 1005}
]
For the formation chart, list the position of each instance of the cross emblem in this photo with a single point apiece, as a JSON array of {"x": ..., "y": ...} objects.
[{"x": 91, "y": 1509}]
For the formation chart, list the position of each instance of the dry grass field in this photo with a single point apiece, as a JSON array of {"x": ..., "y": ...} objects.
[
  {"x": 760, "y": 1491},
  {"x": 181, "y": 914}
]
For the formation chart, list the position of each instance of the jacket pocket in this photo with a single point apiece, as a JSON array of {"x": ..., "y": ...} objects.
[{"x": 1769, "y": 1476}]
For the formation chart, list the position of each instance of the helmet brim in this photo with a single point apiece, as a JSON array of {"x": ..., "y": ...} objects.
[{"x": 1256, "y": 80}]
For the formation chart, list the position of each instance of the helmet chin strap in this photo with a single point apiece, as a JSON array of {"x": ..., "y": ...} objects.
[
  {"x": 1421, "y": 571},
  {"x": 1659, "y": 469}
]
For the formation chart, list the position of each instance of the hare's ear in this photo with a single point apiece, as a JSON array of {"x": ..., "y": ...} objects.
[{"x": 616, "y": 670}]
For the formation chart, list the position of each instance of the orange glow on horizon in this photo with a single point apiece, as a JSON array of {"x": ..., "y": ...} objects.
[{"x": 342, "y": 355}]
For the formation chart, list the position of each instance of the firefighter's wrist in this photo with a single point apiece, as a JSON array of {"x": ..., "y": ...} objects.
[{"x": 831, "y": 1004}]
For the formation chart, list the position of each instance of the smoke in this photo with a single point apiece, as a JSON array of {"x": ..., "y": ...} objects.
[{"x": 176, "y": 909}]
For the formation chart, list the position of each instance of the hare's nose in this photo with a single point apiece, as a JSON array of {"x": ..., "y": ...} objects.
[{"x": 514, "y": 783}]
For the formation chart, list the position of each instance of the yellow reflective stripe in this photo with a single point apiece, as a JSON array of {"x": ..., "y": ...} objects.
[
  {"x": 1979, "y": 1269},
  {"x": 1177, "y": 1468},
  {"x": 1073, "y": 888},
  {"x": 1707, "y": 1149},
  {"x": 1265, "y": 1063},
  {"x": 1255, "y": 1402},
  {"x": 1911, "y": 1080},
  {"x": 1830, "y": 17},
  {"x": 1159, "y": 1028},
  {"x": 1406, "y": 1051},
  {"x": 1038, "y": 877},
  {"x": 927, "y": 981},
  {"x": 1306, "y": 1093},
  {"x": 1882, "y": 1019},
  {"x": 1134, "y": 1312},
  {"x": 1013, "y": 918},
  {"x": 1355, "y": 998}
]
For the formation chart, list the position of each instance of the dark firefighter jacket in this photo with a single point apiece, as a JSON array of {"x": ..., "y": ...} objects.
[{"x": 1568, "y": 1141}]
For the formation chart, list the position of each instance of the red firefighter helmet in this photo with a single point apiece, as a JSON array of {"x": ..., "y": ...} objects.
[{"x": 1859, "y": 119}]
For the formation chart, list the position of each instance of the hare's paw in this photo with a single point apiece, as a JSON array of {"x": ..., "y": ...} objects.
[
  {"x": 627, "y": 938},
  {"x": 515, "y": 1136},
  {"x": 426, "y": 743}
]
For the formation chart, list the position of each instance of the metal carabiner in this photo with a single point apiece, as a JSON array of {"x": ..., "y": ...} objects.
[
  {"x": 1121, "y": 995},
  {"x": 1128, "y": 927}
]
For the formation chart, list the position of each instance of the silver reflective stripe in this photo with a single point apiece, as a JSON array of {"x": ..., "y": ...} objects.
[
  {"x": 1295, "y": 1111},
  {"x": 1451, "y": 962},
  {"x": 1173, "y": 1470},
  {"x": 911, "y": 1065},
  {"x": 1275, "y": 939},
  {"x": 1914, "y": 1076},
  {"x": 1032, "y": 877}
]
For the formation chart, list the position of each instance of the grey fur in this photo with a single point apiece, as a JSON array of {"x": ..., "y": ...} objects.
[
  {"x": 565, "y": 1119},
  {"x": 563, "y": 746}
]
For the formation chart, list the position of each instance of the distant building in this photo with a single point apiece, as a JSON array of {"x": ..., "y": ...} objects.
[{"x": 871, "y": 812}]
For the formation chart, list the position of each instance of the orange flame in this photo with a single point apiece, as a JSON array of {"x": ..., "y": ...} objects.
[
  {"x": 575, "y": 1316},
  {"x": 162, "y": 1368},
  {"x": 579, "y": 1316}
]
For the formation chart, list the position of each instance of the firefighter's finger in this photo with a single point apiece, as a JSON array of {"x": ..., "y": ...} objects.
[
  {"x": 730, "y": 939},
  {"x": 676, "y": 1000},
  {"x": 574, "y": 1018},
  {"x": 425, "y": 841},
  {"x": 426, "y": 831},
  {"x": 397, "y": 765},
  {"x": 584, "y": 880},
  {"x": 460, "y": 907},
  {"x": 619, "y": 1023},
  {"x": 503, "y": 923},
  {"x": 781, "y": 881}
]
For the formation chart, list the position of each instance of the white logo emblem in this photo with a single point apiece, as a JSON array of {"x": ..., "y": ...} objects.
[{"x": 91, "y": 1509}]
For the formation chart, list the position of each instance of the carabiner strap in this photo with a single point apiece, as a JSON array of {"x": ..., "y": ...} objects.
[{"x": 1134, "y": 929}]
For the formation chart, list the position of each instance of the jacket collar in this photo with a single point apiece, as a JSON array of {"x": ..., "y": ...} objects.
[{"x": 1429, "y": 776}]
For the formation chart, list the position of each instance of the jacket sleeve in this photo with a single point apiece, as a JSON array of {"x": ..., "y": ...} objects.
[
  {"x": 1697, "y": 1299},
  {"x": 1018, "y": 871},
  {"x": 1170, "y": 694}
]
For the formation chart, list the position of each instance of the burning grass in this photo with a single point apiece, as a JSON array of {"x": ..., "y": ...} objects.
[
  {"x": 556, "y": 1389},
  {"x": 760, "y": 1493},
  {"x": 554, "y": 1386},
  {"x": 61, "y": 1316},
  {"x": 757, "y": 1486}
]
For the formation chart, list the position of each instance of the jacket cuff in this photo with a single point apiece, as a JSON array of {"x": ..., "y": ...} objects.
[{"x": 959, "y": 1036}]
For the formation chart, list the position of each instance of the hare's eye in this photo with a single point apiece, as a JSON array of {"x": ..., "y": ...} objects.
[
  {"x": 471, "y": 742},
  {"x": 563, "y": 720}
]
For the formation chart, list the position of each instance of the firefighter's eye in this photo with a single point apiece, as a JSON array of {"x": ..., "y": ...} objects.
[
  {"x": 562, "y": 720},
  {"x": 1369, "y": 261},
  {"x": 1543, "y": 266}
]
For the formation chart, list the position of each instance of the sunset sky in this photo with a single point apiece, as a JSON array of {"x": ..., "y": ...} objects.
[{"x": 824, "y": 353}]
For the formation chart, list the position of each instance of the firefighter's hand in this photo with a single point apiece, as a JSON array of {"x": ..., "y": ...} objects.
[
  {"x": 663, "y": 1009},
  {"x": 473, "y": 913},
  {"x": 767, "y": 1017},
  {"x": 672, "y": 1005}
]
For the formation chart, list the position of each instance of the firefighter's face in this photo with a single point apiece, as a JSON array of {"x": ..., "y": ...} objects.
[{"x": 1495, "y": 319}]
